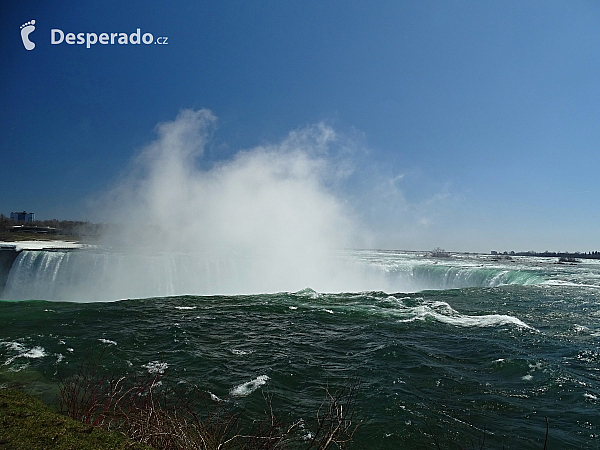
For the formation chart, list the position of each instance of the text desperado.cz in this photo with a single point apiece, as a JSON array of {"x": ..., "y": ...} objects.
[{"x": 58, "y": 37}]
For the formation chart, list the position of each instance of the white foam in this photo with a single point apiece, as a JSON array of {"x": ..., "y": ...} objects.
[
  {"x": 23, "y": 352},
  {"x": 156, "y": 367},
  {"x": 451, "y": 317},
  {"x": 308, "y": 292},
  {"x": 590, "y": 396},
  {"x": 185, "y": 307},
  {"x": 568, "y": 284},
  {"x": 249, "y": 387},
  {"x": 13, "y": 346},
  {"x": 18, "y": 367},
  {"x": 35, "y": 352},
  {"x": 107, "y": 341},
  {"x": 491, "y": 320},
  {"x": 412, "y": 319},
  {"x": 214, "y": 397},
  {"x": 235, "y": 351}
]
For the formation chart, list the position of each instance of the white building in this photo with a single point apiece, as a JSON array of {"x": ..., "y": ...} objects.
[{"x": 22, "y": 216}]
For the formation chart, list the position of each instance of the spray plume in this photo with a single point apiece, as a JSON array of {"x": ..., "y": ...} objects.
[{"x": 266, "y": 219}]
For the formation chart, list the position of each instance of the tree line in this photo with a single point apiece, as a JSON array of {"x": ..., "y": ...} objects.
[{"x": 75, "y": 228}]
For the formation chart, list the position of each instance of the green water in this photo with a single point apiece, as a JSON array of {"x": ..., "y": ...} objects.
[{"x": 451, "y": 366}]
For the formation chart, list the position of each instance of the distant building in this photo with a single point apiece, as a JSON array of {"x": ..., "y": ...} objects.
[{"x": 22, "y": 216}]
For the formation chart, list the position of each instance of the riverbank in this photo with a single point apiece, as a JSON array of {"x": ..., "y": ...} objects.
[{"x": 27, "y": 424}]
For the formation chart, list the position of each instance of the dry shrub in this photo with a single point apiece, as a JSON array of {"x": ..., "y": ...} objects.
[{"x": 153, "y": 410}]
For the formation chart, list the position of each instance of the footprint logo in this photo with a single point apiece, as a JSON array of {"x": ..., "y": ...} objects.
[{"x": 26, "y": 30}]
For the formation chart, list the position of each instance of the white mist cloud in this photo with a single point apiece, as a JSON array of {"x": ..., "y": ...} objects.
[
  {"x": 272, "y": 218},
  {"x": 313, "y": 191},
  {"x": 404, "y": 211},
  {"x": 271, "y": 207}
]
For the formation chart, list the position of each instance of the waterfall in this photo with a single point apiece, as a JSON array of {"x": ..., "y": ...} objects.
[{"x": 87, "y": 275}]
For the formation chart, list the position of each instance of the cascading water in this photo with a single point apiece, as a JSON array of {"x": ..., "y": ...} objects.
[
  {"x": 427, "y": 276},
  {"x": 95, "y": 275},
  {"x": 92, "y": 275}
]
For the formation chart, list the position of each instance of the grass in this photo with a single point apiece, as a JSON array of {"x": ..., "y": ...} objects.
[
  {"x": 22, "y": 236},
  {"x": 27, "y": 424}
]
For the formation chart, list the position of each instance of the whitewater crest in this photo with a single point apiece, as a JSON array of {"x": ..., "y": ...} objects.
[
  {"x": 249, "y": 387},
  {"x": 442, "y": 312},
  {"x": 21, "y": 351},
  {"x": 156, "y": 367}
]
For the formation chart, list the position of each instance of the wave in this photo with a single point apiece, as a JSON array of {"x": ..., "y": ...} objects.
[
  {"x": 20, "y": 351},
  {"x": 564, "y": 283},
  {"x": 249, "y": 387},
  {"x": 442, "y": 312},
  {"x": 378, "y": 306}
]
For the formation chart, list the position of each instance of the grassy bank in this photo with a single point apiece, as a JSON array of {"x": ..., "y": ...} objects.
[
  {"x": 28, "y": 424},
  {"x": 18, "y": 237}
]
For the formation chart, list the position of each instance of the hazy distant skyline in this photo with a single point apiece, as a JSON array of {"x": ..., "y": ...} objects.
[{"x": 471, "y": 126}]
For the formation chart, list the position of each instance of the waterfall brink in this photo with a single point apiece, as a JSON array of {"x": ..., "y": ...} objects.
[
  {"x": 436, "y": 277},
  {"x": 86, "y": 275}
]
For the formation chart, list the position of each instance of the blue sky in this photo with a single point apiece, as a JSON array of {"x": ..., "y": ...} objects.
[{"x": 475, "y": 124}]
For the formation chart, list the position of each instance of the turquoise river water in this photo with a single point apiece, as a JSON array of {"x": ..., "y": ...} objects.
[{"x": 449, "y": 350}]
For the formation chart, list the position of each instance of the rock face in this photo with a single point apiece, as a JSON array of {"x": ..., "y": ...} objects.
[{"x": 7, "y": 257}]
